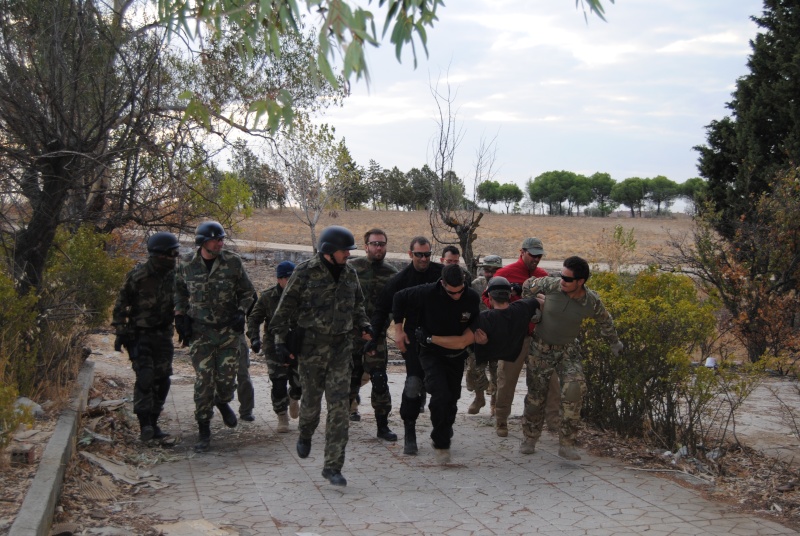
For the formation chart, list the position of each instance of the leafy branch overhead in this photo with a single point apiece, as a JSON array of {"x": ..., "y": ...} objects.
[{"x": 343, "y": 30}]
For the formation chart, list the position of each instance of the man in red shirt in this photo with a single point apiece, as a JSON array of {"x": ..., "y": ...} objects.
[{"x": 527, "y": 266}]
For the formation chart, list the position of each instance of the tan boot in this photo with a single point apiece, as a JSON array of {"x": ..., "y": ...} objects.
[
  {"x": 283, "y": 423},
  {"x": 568, "y": 452},
  {"x": 294, "y": 408},
  {"x": 477, "y": 404},
  {"x": 442, "y": 456},
  {"x": 502, "y": 429},
  {"x": 527, "y": 446}
]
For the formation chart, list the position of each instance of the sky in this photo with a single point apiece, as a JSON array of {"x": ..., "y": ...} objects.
[{"x": 630, "y": 96}]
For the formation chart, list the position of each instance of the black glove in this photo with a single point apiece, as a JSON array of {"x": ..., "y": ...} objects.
[
  {"x": 255, "y": 345},
  {"x": 120, "y": 341},
  {"x": 282, "y": 353},
  {"x": 371, "y": 345},
  {"x": 368, "y": 330},
  {"x": 516, "y": 289},
  {"x": 423, "y": 337},
  {"x": 238, "y": 322},
  {"x": 183, "y": 325}
]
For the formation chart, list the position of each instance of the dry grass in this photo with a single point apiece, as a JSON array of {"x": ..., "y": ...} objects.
[{"x": 499, "y": 234}]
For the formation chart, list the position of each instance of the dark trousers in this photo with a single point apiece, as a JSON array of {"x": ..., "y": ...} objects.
[
  {"x": 443, "y": 382},
  {"x": 410, "y": 402},
  {"x": 153, "y": 368}
]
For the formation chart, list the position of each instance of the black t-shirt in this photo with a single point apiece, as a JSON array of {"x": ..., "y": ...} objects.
[
  {"x": 406, "y": 278},
  {"x": 436, "y": 311},
  {"x": 506, "y": 329}
]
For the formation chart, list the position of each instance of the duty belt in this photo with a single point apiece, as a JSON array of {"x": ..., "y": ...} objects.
[{"x": 545, "y": 346}]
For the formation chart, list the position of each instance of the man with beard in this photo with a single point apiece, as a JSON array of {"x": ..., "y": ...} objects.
[
  {"x": 373, "y": 273},
  {"x": 212, "y": 296},
  {"x": 143, "y": 317},
  {"x": 419, "y": 272}
]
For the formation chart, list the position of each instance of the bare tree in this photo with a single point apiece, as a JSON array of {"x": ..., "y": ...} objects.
[
  {"x": 306, "y": 158},
  {"x": 453, "y": 211}
]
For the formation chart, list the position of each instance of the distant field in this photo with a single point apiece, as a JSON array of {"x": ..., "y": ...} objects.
[{"x": 498, "y": 234}]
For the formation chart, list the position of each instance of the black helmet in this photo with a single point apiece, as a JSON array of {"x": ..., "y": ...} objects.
[
  {"x": 208, "y": 230},
  {"x": 162, "y": 243},
  {"x": 498, "y": 284},
  {"x": 335, "y": 238}
]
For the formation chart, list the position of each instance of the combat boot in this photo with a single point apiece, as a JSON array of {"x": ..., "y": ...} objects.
[
  {"x": 204, "y": 436},
  {"x": 527, "y": 446},
  {"x": 502, "y": 428},
  {"x": 145, "y": 427},
  {"x": 294, "y": 408},
  {"x": 477, "y": 404},
  {"x": 228, "y": 415},
  {"x": 158, "y": 433},
  {"x": 383, "y": 428},
  {"x": 303, "y": 447},
  {"x": 442, "y": 456},
  {"x": 410, "y": 439},
  {"x": 334, "y": 476},
  {"x": 355, "y": 416},
  {"x": 567, "y": 450},
  {"x": 283, "y": 423}
]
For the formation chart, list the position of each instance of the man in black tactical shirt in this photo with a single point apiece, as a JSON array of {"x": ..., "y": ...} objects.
[
  {"x": 419, "y": 272},
  {"x": 446, "y": 308}
]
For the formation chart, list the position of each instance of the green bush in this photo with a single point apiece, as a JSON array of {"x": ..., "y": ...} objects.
[{"x": 648, "y": 389}]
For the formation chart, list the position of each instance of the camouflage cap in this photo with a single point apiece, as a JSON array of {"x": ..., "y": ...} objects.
[
  {"x": 492, "y": 261},
  {"x": 534, "y": 246}
]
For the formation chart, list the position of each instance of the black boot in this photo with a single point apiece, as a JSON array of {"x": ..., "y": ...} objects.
[
  {"x": 303, "y": 447},
  {"x": 158, "y": 433},
  {"x": 145, "y": 426},
  {"x": 383, "y": 428},
  {"x": 335, "y": 477},
  {"x": 228, "y": 415},
  {"x": 410, "y": 440},
  {"x": 204, "y": 436}
]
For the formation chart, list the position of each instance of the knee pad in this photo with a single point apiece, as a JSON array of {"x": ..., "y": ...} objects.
[
  {"x": 380, "y": 381},
  {"x": 413, "y": 387},
  {"x": 573, "y": 392}
]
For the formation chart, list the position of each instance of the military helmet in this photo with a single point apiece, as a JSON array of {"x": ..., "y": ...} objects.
[
  {"x": 162, "y": 243},
  {"x": 208, "y": 230},
  {"x": 492, "y": 261},
  {"x": 498, "y": 284},
  {"x": 335, "y": 238}
]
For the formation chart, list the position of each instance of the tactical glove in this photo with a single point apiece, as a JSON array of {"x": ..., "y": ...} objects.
[
  {"x": 282, "y": 353},
  {"x": 119, "y": 342},
  {"x": 371, "y": 345},
  {"x": 183, "y": 325},
  {"x": 255, "y": 345},
  {"x": 238, "y": 322},
  {"x": 368, "y": 330},
  {"x": 617, "y": 348},
  {"x": 423, "y": 337},
  {"x": 516, "y": 289}
]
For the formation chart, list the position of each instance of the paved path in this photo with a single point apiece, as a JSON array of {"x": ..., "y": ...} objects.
[{"x": 252, "y": 482}]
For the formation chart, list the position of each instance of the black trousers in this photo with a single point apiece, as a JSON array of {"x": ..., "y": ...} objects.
[
  {"x": 410, "y": 405},
  {"x": 443, "y": 382}
]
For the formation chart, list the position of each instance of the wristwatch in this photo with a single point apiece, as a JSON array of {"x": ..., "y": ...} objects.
[{"x": 429, "y": 340}]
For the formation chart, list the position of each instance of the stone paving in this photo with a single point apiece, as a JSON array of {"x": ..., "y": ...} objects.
[{"x": 252, "y": 482}]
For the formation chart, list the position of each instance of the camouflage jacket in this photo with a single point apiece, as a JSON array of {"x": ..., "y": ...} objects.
[
  {"x": 213, "y": 297},
  {"x": 318, "y": 302},
  {"x": 562, "y": 316},
  {"x": 479, "y": 284},
  {"x": 145, "y": 300},
  {"x": 262, "y": 313},
  {"x": 372, "y": 276}
]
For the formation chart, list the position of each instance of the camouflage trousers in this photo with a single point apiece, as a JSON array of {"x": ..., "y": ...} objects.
[
  {"x": 153, "y": 368},
  {"x": 279, "y": 376},
  {"x": 215, "y": 354},
  {"x": 543, "y": 360},
  {"x": 477, "y": 378},
  {"x": 375, "y": 366},
  {"x": 325, "y": 367},
  {"x": 244, "y": 385}
]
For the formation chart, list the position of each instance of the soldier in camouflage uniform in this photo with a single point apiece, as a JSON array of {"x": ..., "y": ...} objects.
[
  {"x": 324, "y": 298},
  {"x": 555, "y": 346},
  {"x": 280, "y": 373},
  {"x": 477, "y": 379},
  {"x": 143, "y": 317},
  {"x": 373, "y": 273},
  {"x": 212, "y": 295}
]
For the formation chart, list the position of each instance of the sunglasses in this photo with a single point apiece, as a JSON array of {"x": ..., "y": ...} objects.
[
  {"x": 420, "y": 254},
  {"x": 377, "y": 244},
  {"x": 454, "y": 292},
  {"x": 568, "y": 279}
]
